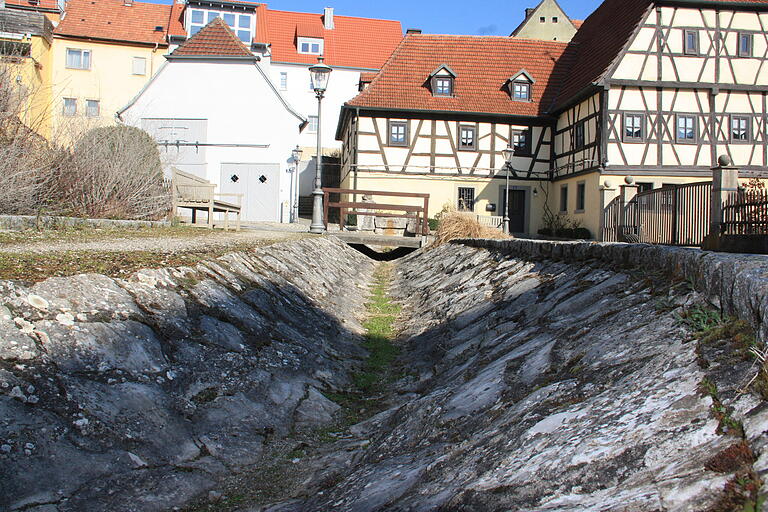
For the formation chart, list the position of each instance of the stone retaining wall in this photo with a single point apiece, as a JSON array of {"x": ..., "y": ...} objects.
[
  {"x": 22, "y": 222},
  {"x": 736, "y": 282}
]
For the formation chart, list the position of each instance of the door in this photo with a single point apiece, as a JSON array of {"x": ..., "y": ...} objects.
[
  {"x": 259, "y": 184},
  {"x": 516, "y": 211}
]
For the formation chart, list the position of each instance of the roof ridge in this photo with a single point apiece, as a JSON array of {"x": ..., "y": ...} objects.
[{"x": 335, "y": 15}]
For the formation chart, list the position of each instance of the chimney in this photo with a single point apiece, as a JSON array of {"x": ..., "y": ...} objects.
[
  {"x": 127, "y": 3},
  {"x": 413, "y": 31},
  {"x": 328, "y": 18}
]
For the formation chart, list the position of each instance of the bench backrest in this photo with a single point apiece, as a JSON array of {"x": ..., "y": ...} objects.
[{"x": 188, "y": 187}]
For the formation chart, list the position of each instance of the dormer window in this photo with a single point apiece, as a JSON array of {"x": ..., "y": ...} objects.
[
  {"x": 520, "y": 86},
  {"x": 310, "y": 45},
  {"x": 441, "y": 81},
  {"x": 242, "y": 24},
  {"x": 443, "y": 86}
]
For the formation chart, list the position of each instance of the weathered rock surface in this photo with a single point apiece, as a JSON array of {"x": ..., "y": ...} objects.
[
  {"x": 541, "y": 386},
  {"x": 137, "y": 394}
]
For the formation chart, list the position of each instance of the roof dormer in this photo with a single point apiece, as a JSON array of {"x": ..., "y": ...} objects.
[
  {"x": 441, "y": 81},
  {"x": 520, "y": 86},
  {"x": 309, "y": 39}
]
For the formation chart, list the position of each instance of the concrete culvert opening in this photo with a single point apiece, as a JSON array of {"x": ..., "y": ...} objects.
[
  {"x": 304, "y": 376},
  {"x": 383, "y": 253}
]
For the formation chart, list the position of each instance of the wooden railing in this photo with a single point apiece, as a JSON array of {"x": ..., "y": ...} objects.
[
  {"x": 745, "y": 213},
  {"x": 671, "y": 215},
  {"x": 359, "y": 208}
]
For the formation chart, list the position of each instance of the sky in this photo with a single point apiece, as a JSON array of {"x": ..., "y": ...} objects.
[{"x": 481, "y": 17}]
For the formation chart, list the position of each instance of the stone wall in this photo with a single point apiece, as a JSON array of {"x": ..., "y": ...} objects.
[
  {"x": 139, "y": 393},
  {"x": 736, "y": 282},
  {"x": 22, "y": 222}
]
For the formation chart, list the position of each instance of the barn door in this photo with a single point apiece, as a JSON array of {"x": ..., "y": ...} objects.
[{"x": 259, "y": 184}]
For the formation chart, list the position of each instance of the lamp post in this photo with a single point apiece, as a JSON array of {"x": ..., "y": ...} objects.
[
  {"x": 319, "y": 73},
  {"x": 507, "y": 153},
  {"x": 296, "y": 155}
]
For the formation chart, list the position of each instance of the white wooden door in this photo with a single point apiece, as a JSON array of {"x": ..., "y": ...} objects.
[{"x": 259, "y": 184}]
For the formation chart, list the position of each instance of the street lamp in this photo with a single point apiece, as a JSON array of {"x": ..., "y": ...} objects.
[
  {"x": 507, "y": 153},
  {"x": 319, "y": 73},
  {"x": 296, "y": 156}
]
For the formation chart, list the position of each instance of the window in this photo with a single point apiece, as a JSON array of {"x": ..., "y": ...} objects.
[
  {"x": 521, "y": 141},
  {"x": 634, "y": 125},
  {"x": 442, "y": 86},
  {"x": 139, "y": 66},
  {"x": 92, "y": 108},
  {"x": 312, "y": 124},
  {"x": 398, "y": 133},
  {"x": 740, "y": 129},
  {"x": 466, "y": 202},
  {"x": 78, "y": 59},
  {"x": 691, "y": 42},
  {"x": 241, "y": 24},
  {"x": 581, "y": 196},
  {"x": 563, "y": 198},
  {"x": 554, "y": 19},
  {"x": 467, "y": 137},
  {"x": 686, "y": 128},
  {"x": 745, "y": 45},
  {"x": 578, "y": 136},
  {"x": 644, "y": 187},
  {"x": 283, "y": 80},
  {"x": 521, "y": 91},
  {"x": 543, "y": 19},
  {"x": 310, "y": 46},
  {"x": 70, "y": 107}
]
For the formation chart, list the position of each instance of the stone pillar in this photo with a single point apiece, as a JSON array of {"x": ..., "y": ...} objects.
[
  {"x": 607, "y": 193},
  {"x": 366, "y": 222},
  {"x": 725, "y": 181}
]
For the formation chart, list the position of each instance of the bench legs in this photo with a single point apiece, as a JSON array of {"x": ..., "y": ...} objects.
[
  {"x": 210, "y": 216},
  {"x": 194, "y": 216}
]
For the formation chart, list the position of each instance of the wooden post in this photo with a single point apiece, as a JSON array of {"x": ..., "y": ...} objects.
[
  {"x": 725, "y": 182},
  {"x": 425, "y": 225},
  {"x": 326, "y": 195}
]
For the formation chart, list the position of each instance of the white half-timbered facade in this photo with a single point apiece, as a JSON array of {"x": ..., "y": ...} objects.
[{"x": 652, "y": 89}]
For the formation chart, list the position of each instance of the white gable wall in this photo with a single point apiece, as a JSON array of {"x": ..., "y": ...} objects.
[{"x": 240, "y": 108}]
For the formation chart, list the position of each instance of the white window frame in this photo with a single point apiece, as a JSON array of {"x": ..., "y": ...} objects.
[
  {"x": 694, "y": 128},
  {"x": 310, "y": 42},
  {"x": 312, "y": 126},
  {"x": 220, "y": 14},
  {"x": 134, "y": 61},
  {"x": 82, "y": 52},
  {"x": 64, "y": 110},
  {"x": 88, "y": 110},
  {"x": 521, "y": 91},
  {"x": 744, "y": 126},
  {"x": 283, "y": 81}
]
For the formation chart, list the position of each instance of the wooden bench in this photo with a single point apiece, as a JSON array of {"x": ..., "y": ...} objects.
[{"x": 197, "y": 194}]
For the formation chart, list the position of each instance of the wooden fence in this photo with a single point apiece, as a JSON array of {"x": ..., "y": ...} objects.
[
  {"x": 745, "y": 213},
  {"x": 672, "y": 215}
]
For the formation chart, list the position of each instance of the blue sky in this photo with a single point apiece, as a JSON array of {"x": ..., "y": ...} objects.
[{"x": 489, "y": 17}]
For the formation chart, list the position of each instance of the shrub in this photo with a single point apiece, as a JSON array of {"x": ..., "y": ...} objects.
[
  {"x": 113, "y": 172},
  {"x": 455, "y": 225},
  {"x": 582, "y": 233},
  {"x": 433, "y": 224}
]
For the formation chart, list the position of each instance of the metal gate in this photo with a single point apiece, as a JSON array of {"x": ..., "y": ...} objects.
[{"x": 671, "y": 215}]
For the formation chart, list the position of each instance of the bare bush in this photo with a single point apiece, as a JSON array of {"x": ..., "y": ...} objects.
[
  {"x": 455, "y": 225},
  {"x": 114, "y": 172},
  {"x": 26, "y": 159},
  {"x": 107, "y": 172}
]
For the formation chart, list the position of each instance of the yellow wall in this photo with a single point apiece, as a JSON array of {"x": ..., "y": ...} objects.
[
  {"x": 32, "y": 77},
  {"x": 444, "y": 191},
  {"x": 110, "y": 79},
  {"x": 589, "y": 217}
]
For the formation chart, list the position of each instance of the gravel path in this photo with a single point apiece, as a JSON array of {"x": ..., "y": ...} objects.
[{"x": 206, "y": 240}]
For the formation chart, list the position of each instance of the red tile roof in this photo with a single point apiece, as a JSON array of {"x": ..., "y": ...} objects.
[
  {"x": 45, "y": 5},
  {"x": 354, "y": 42},
  {"x": 577, "y": 23},
  {"x": 176, "y": 21},
  {"x": 112, "y": 20},
  {"x": 480, "y": 82},
  {"x": 214, "y": 39}
]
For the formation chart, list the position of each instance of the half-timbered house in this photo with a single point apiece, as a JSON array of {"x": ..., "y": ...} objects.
[{"x": 652, "y": 89}]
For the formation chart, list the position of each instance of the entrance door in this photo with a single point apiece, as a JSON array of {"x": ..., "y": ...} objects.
[
  {"x": 259, "y": 184},
  {"x": 516, "y": 211}
]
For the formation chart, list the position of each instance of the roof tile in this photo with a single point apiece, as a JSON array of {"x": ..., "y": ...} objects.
[
  {"x": 480, "y": 83},
  {"x": 112, "y": 20}
]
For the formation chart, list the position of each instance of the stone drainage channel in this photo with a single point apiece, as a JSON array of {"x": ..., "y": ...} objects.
[{"x": 306, "y": 377}]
